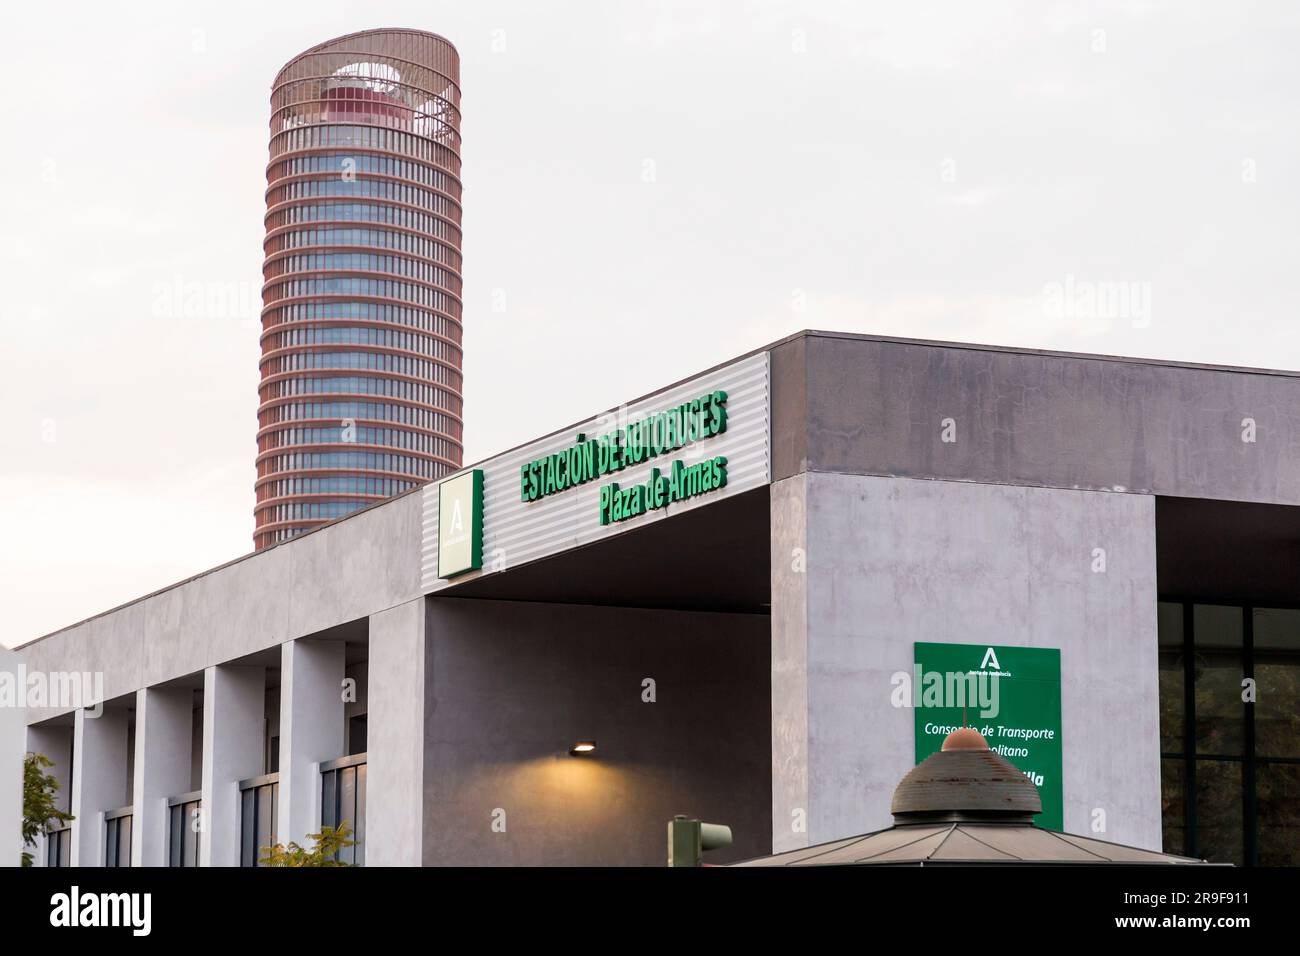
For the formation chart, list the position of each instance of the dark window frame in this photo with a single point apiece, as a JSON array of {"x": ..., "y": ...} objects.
[{"x": 1249, "y": 760}]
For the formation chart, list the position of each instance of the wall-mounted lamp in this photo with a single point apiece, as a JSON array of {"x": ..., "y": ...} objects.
[{"x": 582, "y": 747}]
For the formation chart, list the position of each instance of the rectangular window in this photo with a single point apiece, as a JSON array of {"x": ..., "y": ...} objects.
[
  {"x": 184, "y": 830},
  {"x": 1229, "y": 687},
  {"x": 1173, "y": 805},
  {"x": 1219, "y": 810},
  {"x": 1220, "y": 711},
  {"x": 1278, "y": 801},
  {"x": 117, "y": 838},
  {"x": 258, "y": 798},
  {"x": 58, "y": 847},
  {"x": 343, "y": 800}
]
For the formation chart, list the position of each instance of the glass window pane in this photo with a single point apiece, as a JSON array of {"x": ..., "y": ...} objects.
[
  {"x": 1169, "y": 624},
  {"x": 1218, "y": 810},
  {"x": 1277, "y": 789},
  {"x": 248, "y": 835},
  {"x": 348, "y": 805},
  {"x": 194, "y": 833},
  {"x": 360, "y": 835},
  {"x": 348, "y": 794},
  {"x": 1219, "y": 707},
  {"x": 265, "y": 814},
  {"x": 1277, "y": 677},
  {"x": 1217, "y": 625},
  {"x": 328, "y": 799},
  {"x": 174, "y": 835},
  {"x": 1172, "y": 709},
  {"x": 1276, "y": 629},
  {"x": 1173, "y": 795},
  {"x": 1277, "y": 708}
]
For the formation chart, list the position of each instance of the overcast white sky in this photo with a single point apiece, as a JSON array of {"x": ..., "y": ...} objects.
[{"x": 650, "y": 188}]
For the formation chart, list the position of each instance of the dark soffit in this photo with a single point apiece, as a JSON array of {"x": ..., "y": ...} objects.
[{"x": 711, "y": 558}]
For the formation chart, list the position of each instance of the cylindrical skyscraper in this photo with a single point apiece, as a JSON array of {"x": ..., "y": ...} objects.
[{"x": 360, "y": 394}]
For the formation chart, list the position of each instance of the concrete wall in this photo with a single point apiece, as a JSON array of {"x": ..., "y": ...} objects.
[
  {"x": 100, "y": 781},
  {"x": 790, "y": 663},
  {"x": 13, "y": 741},
  {"x": 511, "y": 686},
  {"x": 395, "y": 798},
  {"x": 338, "y": 574},
  {"x": 310, "y": 730},
  {"x": 162, "y": 767},
  {"x": 873, "y": 406},
  {"x": 892, "y": 561},
  {"x": 233, "y": 750}
]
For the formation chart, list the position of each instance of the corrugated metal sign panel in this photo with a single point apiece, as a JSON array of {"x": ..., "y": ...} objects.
[{"x": 516, "y": 532}]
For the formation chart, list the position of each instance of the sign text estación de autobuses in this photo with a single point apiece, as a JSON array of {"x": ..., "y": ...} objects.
[{"x": 649, "y": 437}]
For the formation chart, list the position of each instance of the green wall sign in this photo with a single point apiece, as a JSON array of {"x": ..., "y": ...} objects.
[
  {"x": 1026, "y": 728},
  {"x": 649, "y": 437},
  {"x": 460, "y": 524},
  {"x": 681, "y": 482}
]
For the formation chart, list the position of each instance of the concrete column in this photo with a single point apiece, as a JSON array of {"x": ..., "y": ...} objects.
[
  {"x": 163, "y": 718},
  {"x": 13, "y": 739},
  {"x": 789, "y": 664},
  {"x": 99, "y": 779},
  {"x": 395, "y": 732},
  {"x": 311, "y": 730},
  {"x": 55, "y": 742},
  {"x": 234, "y": 701}
]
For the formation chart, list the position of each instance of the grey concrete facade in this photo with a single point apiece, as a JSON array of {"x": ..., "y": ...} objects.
[
  {"x": 234, "y": 707},
  {"x": 311, "y": 730},
  {"x": 772, "y": 708},
  {"x": 13, "y": 739},
  {"x": 101, "y": 779},
  {"x": 200, "y": 630},
  {"x": 872, "y": 405},
  {"x": 341, "y": 573},
  {"x": 864, "y": 567},
  {"x": 395, "y": 690},
  {"x": 164, "y": 736}
]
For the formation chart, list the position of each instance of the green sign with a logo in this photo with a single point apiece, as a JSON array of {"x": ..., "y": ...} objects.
[
  {"x": 460, "y": 524},
  {"x": 1011, "y": 695}
]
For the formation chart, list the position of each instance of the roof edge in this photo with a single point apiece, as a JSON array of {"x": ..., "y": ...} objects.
[
  {"x": 785, "y": 340},
  {"x": 320, "y": 47}
]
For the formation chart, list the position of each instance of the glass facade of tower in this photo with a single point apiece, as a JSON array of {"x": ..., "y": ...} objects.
[{"x": 360, "y": 394}]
